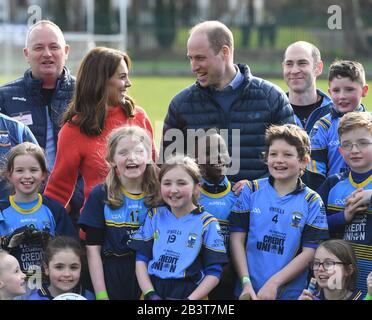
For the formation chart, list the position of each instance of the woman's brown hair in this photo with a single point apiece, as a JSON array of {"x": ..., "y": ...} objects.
[{"x": 88, "y": 108}]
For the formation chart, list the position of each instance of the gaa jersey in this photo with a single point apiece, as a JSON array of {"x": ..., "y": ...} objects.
[
  {"x": 179, "y": 247},
  {"x": 44, "y": 214},
  {"x": 326, "y": 159},
  {"x": 278, "y": 227},
  {"x": 359, "y": 231},
  {"x": 219, "y": 205},
  {"x": 118, "y": 224}
]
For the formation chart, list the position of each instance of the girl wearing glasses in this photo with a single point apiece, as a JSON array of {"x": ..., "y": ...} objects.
[{"x": 336, "y": 272}]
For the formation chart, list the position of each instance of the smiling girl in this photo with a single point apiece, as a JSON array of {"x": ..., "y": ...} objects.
[
  {"x": 117, "y": 208},
  {"x": 62, "y": 264},
  {"x": 180, "y": 250},
  {"x": 336, "y": 272},
  {"x": 25, "y": 171}
]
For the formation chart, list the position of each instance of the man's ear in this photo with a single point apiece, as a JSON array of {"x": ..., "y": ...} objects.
[
  {"x": 226, "y": 52},
  {"x": 319, "y": 68},
  {"x": 25, "y": 53},
  {"x": 67, "y": 50}
]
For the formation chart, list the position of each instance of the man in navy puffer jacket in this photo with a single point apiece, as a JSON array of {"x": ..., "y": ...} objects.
[
  {"x": 40, "y": 97},
  {"x": 226, "y": 96}
]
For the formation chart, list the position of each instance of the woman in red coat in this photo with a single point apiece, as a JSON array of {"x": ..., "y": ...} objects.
[{"x": 100, "y": 104}]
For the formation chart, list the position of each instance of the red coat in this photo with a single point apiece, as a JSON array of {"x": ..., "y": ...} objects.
[{"x": 78, "y": 152}]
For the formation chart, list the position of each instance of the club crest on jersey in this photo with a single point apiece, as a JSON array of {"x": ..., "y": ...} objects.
[
  {"x": 4, "y": 139},
  {"x": 296, "y": 219},
  {"x": 191, "y": 240}
]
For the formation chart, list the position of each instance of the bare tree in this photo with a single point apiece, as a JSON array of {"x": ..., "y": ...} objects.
[{"x": 355, "y": 34}]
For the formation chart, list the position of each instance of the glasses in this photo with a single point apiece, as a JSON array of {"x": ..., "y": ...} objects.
[
  {"x": 327, "y": 265},
  {"x": 348, "y": 146}
]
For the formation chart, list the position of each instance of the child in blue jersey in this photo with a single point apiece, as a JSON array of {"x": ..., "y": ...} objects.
[
  {"x": 115, "y": 209},
  {"x": 336, "y": 271},
  {"x": 63, "y": 260},
  {"x": 347, "y": 86},
  {"x": 12, "y": 279},
  {"x": 347, "y": 196},
  {"x": 180, "y": 250},
  {"x": 25, "y": 171},
  {"x": 217, "y": 198},
  {"x": 277, "y": 222}
]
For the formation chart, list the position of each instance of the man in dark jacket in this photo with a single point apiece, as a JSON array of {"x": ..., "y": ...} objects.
[
  {"x": 39, "y": 98},
  {"x": 226, "y": 96},
  {"x": 302, "y": 64}
]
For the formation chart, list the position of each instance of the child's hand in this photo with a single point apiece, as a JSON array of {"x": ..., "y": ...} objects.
[
  {"x": 306, "y": 295},
  {"x": 369, "y": 283},
  {"x": 239, "y": 186},
  {"x": 268, "y": 291},
  {"x": 248, "y": 293},
  {"x": 359, "y": 197}
]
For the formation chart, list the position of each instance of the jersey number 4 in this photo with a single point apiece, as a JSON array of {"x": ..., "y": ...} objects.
[{"x": 275, "y": 219}]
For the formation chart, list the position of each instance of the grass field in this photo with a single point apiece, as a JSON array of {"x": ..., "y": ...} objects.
[{"x": 155, "y": 93}]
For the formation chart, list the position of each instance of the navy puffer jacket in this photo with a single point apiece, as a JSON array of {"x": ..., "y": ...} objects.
[
  {"x": 260, "y": 104},
  {"x": 23, "y": 96}
]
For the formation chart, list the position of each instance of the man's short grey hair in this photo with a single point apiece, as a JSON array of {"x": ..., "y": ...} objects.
[{"x": 40, "y": 23}]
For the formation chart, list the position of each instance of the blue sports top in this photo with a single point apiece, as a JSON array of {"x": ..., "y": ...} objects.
[
  {"x": 326, "y": 159},
  {"x": 44, "y": 214},
  {"x": 176, "y": 248},
  {"x": 278, "y": 227},
  {"x": 359, "y": 231},
  {"x": 118, "y": 224},
  {"x": 219, "y": 205}
]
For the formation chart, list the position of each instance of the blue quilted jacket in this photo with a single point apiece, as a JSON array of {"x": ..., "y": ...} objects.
[{"x": 260, "y": 104}]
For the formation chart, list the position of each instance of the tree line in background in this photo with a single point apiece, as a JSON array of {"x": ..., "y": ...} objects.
[{"x": 165, "y": 17}]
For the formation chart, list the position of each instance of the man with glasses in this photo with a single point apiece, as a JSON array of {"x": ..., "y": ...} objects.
[{"x": 348, "y": 196}]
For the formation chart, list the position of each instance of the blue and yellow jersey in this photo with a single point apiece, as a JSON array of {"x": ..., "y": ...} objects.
[
  {"x": 219, "y": 205},
  {"x": 44, "y": 214},
  {"x": 358, "y": 232},
  {"x": 178, "y": 248},
  {"x": 118, "y": 224},
  {"x": 326, "y": 159},
  {"x": 278, "y": 227}
]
